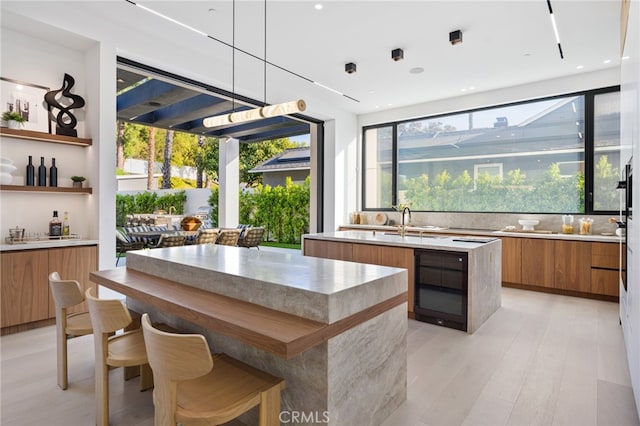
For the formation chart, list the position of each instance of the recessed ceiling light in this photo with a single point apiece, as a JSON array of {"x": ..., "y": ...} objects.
[
  {"x": 464, "y": 89},
  {"x": 579, "y": 67},
  {"x": 389, "y": 104},
  {"x": 318, "y": 6},
  {"x": 416, "y": 70},
  {"x": 527, "y": 54},
  {"x": 472, "y": 88},
  {"x": 371, "y": 92},
  {"x": 624, "y": 58},
  {"x": 606, "y": 61}
]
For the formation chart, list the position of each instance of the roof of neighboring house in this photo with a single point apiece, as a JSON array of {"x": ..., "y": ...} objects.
[{"x": 290, "y": 159}]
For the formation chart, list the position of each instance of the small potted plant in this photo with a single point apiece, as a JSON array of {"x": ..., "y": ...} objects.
[
  {"x": 13, "y": 119},
  {"x": 77, "y": 181}
]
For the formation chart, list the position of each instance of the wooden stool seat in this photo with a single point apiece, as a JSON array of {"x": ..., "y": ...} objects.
[
  {"x": 79, "y": 324},
  {"x": 127, "y": 349},
  {"x": 228, "y": 390},
  {"x": 194, "y": 388}
]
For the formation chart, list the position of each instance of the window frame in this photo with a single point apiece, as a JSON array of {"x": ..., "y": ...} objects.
[{"x": 589, "y": 149}]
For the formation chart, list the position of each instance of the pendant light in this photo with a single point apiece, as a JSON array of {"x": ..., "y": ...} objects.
[{"x": 259, "y": 113}]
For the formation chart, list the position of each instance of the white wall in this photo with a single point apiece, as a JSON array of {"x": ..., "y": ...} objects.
[{"x": 630, "y": 132}]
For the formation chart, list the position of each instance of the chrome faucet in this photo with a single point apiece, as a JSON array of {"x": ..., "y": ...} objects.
[
  {"x": 406, "y": 209},
  {"x": 171, "y": 208}
]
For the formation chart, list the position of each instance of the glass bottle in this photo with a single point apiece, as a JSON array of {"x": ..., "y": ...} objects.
[
  {"x": 31, "y": 172},
  {"x": 55, "y": 226},
  {"x": 65, "y": 224},
  {"x": 53, "y": 173},
  {"x": 42, "y": 173}
]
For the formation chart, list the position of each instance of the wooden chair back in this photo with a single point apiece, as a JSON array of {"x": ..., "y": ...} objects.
[
  {"x": 228, "y": 237},
  {"x": 107, "y": 315},
  {"x": 173, "y": 358},
  {"x": 66, "y": 293}
]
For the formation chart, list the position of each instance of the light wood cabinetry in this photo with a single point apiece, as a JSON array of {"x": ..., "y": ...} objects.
[
  {"x": 605, "y": 264},
  {"x": 573, "y": 265},
  {"x": 73, "y": 263},
  {"x": 511, "y": 260},
  {"x": 579, "y": 268},
  {"x": 538, "y": 262},
  {"x": 24, "y": 289},
  {"x": 397, "y": 257},
  {"x": 328, "y": 249}
]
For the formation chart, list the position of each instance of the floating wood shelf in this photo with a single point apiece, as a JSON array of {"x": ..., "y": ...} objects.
[
  {"x": 44, "y": 137},
  {"x": 58, "y": 189}
]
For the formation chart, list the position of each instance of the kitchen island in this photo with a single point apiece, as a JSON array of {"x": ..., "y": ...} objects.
[
  {"x": 481, "y": 255},
  {"x": 335, "y": 331}
]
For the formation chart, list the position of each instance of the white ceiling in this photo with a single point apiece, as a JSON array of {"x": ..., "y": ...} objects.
[{"x": 505, "y": 43}]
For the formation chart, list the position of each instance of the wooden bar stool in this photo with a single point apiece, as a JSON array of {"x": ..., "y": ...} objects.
[
  {"x": 191, "y": 388},
  {"x": 120, "y": 350},
  {"x": 66, "y": 294}
]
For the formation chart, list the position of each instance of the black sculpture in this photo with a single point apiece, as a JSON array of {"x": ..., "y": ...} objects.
[{"x": 66, "y": 125}]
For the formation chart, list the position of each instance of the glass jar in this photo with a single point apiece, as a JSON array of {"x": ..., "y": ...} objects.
[
  {"x": 585, "y": 226},
  {"x": 567, "y": 224}
]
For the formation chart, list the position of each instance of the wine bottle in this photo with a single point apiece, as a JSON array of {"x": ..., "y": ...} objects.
[
  {"x": 55, "y": 226},
  {"x": 31, "y": 172},
  {"x": 53, "y": 173},
  {"x": 65, "y": 224},
  {"x": 42, "y": 173}
]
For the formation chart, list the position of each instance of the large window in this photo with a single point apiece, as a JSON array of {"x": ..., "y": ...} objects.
[{"x": 530, "y": 157}]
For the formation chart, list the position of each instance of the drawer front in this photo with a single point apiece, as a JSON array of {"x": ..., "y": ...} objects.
[
  {"x": 604, "y": 281},
  {"x": 605, "y": 255}
]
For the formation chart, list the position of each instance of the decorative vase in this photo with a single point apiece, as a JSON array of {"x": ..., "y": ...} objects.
[
  {"x": 77, "y": 184},
  {"x": 14, "y": 124}
]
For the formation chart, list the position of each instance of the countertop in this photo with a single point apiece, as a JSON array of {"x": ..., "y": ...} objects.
[
  {"x": 309, "y": 287},
  {"x": 386, "y": 238},
  {"x": 47, "y": 244},
  {"x": 487, "y": 232}
]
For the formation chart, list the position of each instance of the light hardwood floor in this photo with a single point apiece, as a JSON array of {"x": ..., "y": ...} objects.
[{"x": 541, "y": 360}]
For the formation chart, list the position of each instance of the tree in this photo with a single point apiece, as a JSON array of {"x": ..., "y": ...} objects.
[
  {"x": 166, "y": 160},
  {"x": 120, "y": 146},
  {"x": 151, "y": 148}
]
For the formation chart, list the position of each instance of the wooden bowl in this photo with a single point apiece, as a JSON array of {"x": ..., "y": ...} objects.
[{"x": 190, "y": 223}]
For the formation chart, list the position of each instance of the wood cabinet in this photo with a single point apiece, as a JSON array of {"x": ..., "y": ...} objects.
[
  {"x": 328, "y": 249},
  {"x": 397, "y": 257},
  {"x": 73, "y": 263},
  {"x": 562, "y": 266},
  {"x": 572, "y": 265},
  {"x": 538, "y": 262},
  {"x": 24, "y": 289},
  {"x": 512, "y": 260},
  {"x": 605, "y": 273}
]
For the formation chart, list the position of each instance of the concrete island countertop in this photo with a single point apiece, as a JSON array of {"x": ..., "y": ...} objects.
[
  {"x": 390, "y": 238},
  {"x": 47, "y": 244},
  {"x": 486, "y": 232}
]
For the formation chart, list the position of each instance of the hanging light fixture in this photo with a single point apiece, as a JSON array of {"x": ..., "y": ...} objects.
[{"x": 259, "y": 113}]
